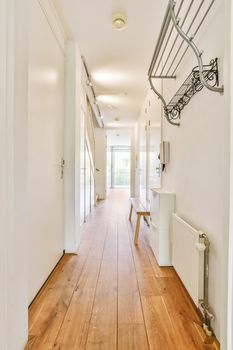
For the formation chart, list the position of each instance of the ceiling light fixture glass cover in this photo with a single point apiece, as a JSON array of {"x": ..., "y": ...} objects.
[{"x": 119, "y": 21}]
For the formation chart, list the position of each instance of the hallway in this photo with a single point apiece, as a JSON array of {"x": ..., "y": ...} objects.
[{"x": 113, "y": 295}]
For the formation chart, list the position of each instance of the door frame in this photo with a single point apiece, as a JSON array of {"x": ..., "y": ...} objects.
[
  {"x": 113, "y": 150},
  {"x": 228, "y": 82},
  {"x": 229, "y": 16},
  {"x": 5, "y": 173},
  {"x": 13, "y": 174}
]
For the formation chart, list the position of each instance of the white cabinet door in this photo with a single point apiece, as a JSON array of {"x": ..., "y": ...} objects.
[
  {"x": 155, "y": 208},
  {"x": 154, "y": 151},
  {"x": 45, "y": 150},
  {"x": 82, "y": 168},
  {"x": 143, "y": 161},
  {"x": 162, "y": 207},
  {"x": 87, "y": 184}
]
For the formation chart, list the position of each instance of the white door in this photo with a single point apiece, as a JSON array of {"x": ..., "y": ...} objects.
[
  {"x": 154, "y": 140},
  {"x": 87, "y": 182},
  {"x": 82, "y": 168},
  {"x": 45, "y": 139},
  {"x": 143, "y": 161},
  {"x": 154, "y": 135}
]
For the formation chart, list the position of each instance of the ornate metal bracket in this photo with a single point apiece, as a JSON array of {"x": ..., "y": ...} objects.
[
  {"x": 201, "y": 76},
  {"x": 189, "y": 88}
]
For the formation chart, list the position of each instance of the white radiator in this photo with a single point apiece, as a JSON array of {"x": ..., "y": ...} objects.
[{"x": 188, "y": 257}]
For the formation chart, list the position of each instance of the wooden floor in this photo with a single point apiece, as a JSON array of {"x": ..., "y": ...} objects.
[{"x": 113, "y": 295}]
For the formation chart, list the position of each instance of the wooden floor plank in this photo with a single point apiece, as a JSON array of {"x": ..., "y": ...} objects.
[
  {"x": 46, "y": 321},
  {"x": 73, "y": 333},
  {"x": 131, "y": 327},
  {"x": 66, "y": 273},
  {"x": 47, "y": 313},
  {"x": 159, "y": 326},
  {"x": 102, "y": 334},
  {"x": 160, "y": 288},
  {"x": 113, "y": 295},
  {"x": 184, "y": 317},
  {"x": 103, "y": 325},
  {"x": 132, "y": 337},
  {"x": 129, "y": 303}
]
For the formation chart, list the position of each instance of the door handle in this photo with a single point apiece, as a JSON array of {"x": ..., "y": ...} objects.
[{"x": 62, "y": 168}]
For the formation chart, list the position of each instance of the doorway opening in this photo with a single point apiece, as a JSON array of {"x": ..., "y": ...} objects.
[{"x": 118, "y": 159}]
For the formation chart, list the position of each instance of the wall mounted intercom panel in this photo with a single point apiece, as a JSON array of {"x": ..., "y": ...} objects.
[{"x": 164, "y": 152}]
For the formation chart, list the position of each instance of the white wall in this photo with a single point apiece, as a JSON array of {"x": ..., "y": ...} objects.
[
  {"x": 199, "y": 168},
  {"x": 100, "y": 162},
  {"x": 198, "y": 171},
  {"x": 45, "y": 148},
  {"x": 3, "y": 175},
  {"x": 143, "y": 159},
  {"x": 69, "y": 149},
  {"x": 76, "y": 184},
  {"x": 148, "y": 135},
  {"x": 154, "y": 139},
  {"x": 133, "y": 179},
  {"x": 73, "y": 131},
  {"x": 13, "y": 175},
  {"x": 137, "y": 164},
  {"x": 154, "y": 167}
]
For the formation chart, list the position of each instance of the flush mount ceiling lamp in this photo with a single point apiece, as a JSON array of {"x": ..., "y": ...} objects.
[{"x": 119, "y": 21}]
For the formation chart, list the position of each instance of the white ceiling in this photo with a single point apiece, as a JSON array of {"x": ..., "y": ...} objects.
[{"x": 118, "y": 61}]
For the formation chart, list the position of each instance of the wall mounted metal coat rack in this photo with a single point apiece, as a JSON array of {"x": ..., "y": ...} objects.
[{"x": 172, "y": 45}]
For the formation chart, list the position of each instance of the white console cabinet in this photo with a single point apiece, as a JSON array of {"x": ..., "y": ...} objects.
[{"x": 162, "y": 205}]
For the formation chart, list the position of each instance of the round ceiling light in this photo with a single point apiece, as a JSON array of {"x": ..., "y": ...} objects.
[{"x": 119, "y": 21}]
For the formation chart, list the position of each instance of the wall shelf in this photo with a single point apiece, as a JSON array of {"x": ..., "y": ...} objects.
[
  {"x": 173, "y": 43},
  {"x": 189, "y": 88}
]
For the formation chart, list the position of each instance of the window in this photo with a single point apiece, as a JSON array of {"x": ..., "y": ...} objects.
[{"x": 119, "y": 167}]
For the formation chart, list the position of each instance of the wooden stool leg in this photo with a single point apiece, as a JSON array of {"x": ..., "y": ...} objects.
[
  {"x": 137, "y": 229},
  {"x": 130, "y": 213}
]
